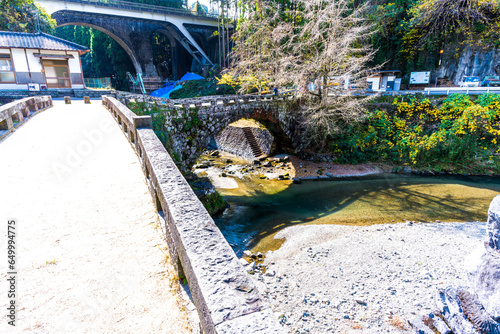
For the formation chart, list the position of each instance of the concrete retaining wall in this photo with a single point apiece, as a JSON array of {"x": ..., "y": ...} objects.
[
  {"x": 225, "y": 297},
  {"x": 16, "y": 111}
]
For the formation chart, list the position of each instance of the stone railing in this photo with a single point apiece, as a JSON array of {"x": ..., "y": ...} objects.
[
  {"x": 191, "y": 124},
  {"x": 204, "y": 103},
  {"x": 17, "y": 94},
  {"x": 16, "y": 111},
  {"x": 225, "y": 297}
]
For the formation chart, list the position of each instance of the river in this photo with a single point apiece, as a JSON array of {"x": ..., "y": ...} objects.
[{"x": 261, "y": 208}]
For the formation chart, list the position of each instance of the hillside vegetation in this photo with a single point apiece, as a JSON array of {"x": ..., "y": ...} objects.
[{"x": 457, "y": 135}]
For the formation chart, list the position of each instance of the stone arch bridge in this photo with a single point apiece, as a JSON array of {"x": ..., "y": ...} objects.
[
  {"x": 132, "y": 26},
  {"x": 191, "y": 124}
]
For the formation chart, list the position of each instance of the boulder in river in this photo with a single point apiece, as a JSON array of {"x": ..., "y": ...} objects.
[
  {"x": 485, "y": 278},
  {"x": 475, "y": 308}
]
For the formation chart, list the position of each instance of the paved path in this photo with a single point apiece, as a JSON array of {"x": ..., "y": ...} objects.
[{"x": 88, "y": 241}]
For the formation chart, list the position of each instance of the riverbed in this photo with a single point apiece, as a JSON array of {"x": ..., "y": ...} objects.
[
  {"x": 352, "y": 255},
  {"x": 261, "y": 208},
  {"x": 365, "y": 279}
]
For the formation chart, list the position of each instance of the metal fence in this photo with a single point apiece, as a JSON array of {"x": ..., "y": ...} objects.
[
  {"x": 149, "y": 84},
  {"x": 102, "y": 83}
]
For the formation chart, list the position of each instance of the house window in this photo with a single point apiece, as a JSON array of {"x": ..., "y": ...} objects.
[
  {"x": 56, "y": 73},
  {"x": 6, "y": 69}
]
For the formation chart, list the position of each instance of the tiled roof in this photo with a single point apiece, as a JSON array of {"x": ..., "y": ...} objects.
[{"x": 37, "y": 41}]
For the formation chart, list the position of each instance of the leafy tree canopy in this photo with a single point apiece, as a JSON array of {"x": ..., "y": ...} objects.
[{"x": 24, "y": 16}]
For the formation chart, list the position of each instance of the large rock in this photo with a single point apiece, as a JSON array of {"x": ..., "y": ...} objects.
[
  {"x": 485, "y": 278},
  {"x": 472, "y": 61},
  {"x": 494, "y": 225},
  {"x": 474, "y": 309},
  {"x": 448, "y": 304}
]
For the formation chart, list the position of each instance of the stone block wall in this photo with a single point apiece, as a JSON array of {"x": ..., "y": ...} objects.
[
  {"x": 225, "y": 297},
  {"x": 232, "y": 139},
  {"x": 192, "y": 123},
  {"x": 264, "y": 139},
  {"x": 55, "y": 93}
]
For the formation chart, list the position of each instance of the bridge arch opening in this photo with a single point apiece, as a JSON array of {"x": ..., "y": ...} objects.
[
  {"x": 164, "y": 55},
  {"x": 181, "y": 60},
  {"x": 131, "y": 56}
]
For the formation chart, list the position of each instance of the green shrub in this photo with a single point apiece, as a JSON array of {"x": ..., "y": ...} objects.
[{"x": 460, "y": 135}]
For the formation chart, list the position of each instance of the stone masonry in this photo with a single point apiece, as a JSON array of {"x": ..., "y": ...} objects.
[
  {"x": 233, "y": 140},
  {"x": 226, "y": 299},
  {"x": 191, "y": 124}
]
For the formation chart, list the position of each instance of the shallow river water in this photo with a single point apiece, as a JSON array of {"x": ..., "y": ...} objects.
[{"x": 261, "y": 208}]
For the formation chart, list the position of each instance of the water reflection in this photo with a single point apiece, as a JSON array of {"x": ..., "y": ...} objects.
[{"x": 257, "y": 214}]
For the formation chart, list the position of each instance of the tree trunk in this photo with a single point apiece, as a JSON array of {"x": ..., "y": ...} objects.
[
  {"x": 218, "y": 33},
  {"x": 223, "y": 40}
]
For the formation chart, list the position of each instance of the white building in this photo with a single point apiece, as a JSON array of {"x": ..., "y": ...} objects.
[
  {"x": 383, "y": 81},
  {"x": 40, "y": 61}
]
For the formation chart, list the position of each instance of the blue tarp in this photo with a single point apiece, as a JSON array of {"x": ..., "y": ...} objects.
[
  {"x": 191, "y": 76},
  {"x": 167, "y": 95},
  {"x": 165, "y": 91},
  {"x": 162, "y": 91}
]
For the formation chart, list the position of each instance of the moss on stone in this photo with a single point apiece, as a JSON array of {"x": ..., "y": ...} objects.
[{"x": 214, "y": 203}]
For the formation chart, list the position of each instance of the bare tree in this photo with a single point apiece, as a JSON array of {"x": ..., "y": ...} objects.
[
  {"x": 444, "y": 17},
  {"x": 310, "y": 41},
  {"x": 254, "y": 53}
]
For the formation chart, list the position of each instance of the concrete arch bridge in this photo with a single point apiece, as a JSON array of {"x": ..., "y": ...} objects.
[{"x": 132, "y": 26}]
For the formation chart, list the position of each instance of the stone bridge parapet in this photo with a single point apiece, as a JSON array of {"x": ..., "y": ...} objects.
[
  {"x": 225, "y": 297},
  {"x": 16, "y": 111},
  {"x": 191, "y": 124}
]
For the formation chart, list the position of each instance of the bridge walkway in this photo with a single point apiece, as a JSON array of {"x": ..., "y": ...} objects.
[{"x": 88, "y": 236}]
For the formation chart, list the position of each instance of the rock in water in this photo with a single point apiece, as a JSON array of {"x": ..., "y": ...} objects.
[
  {"x": 485, "y": 278},
  {"x": 494, "y": 225}
]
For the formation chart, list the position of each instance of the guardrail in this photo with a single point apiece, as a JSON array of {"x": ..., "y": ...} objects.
[
  {"x": 16, "y": 111},
  {"x": 146, "y": 8},
  {"x": 226, "y": 299},
  {"x": 462, "y": 90}
]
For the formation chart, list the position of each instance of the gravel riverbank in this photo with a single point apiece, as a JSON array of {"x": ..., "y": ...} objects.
[{"x": 369, "y": 279}]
